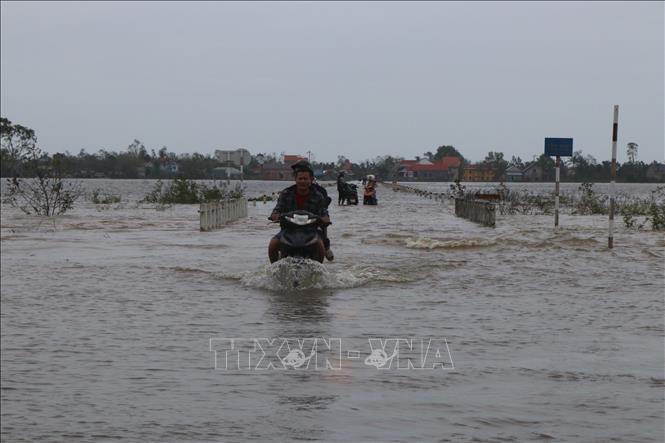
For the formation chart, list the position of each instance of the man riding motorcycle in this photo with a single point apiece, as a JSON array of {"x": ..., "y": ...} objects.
[
  {"x": 304, "y": 195},
  {"x": 341, "y": 188}
]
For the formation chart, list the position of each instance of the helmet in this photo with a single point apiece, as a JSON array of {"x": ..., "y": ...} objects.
[{"x": 370, "y": 177}]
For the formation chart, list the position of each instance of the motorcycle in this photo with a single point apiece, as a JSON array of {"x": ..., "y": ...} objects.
[
  {"x": 301, "y": 235},
  {"x": 349, "y": 194}
]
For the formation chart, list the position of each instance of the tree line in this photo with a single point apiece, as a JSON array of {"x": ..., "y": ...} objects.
[{"x": 19, "y": 151}]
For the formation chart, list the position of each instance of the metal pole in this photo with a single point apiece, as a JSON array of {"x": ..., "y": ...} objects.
[
  {"x": 556, "y": 194},
  {"x": 613, "y": 174},
  {"x": 242, "y": 163},
  {"x": 228, "y": 169}
]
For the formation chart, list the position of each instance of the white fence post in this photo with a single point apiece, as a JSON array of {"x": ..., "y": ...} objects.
[
  {"x": 214, "y": 215},
  {"x": 480, "y": 211},
  {"x": 204, "y": 216}
]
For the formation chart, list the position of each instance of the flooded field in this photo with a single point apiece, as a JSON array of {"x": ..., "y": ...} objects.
[{"x": 112, "y": 317}]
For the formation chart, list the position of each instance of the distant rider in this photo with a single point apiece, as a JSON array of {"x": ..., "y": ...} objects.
[
  {"x": 304, "y": 195},
  {"x": 341, "y": 188},
  {"x": 369, "y": 197}
]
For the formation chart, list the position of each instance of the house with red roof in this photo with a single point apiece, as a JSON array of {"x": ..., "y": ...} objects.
[
  {"x": 444, "y": 169},
  {"x": 291, "y": 159},
  {"x": 278, "y": 170}
]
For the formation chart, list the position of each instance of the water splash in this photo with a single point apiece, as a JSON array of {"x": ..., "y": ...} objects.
[
  {"x": 411, "y": 242},
  {"x": 430, "y": 243},
  {"x": 298, "y": 274}
]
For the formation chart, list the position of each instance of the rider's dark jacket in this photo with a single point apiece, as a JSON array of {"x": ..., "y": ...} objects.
[
  {"x": 341, "y": 184},
  {"x": 317, "y": 202}
]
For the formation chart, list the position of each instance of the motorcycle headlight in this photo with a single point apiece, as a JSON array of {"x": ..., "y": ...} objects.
[{"x": 300, "y": 219}]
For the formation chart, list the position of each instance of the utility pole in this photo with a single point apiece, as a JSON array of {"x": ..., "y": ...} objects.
[{"x": 613, "y": 174}]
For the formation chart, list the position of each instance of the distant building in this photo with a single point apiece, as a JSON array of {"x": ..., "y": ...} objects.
[
  {"x": 346, "y": 166},
  {"x": 278, "y": 170},
  {"x": 656, "y": 171},
  {"x": 172, "y": 167},
  {"x": 479, "y": 173},
  {"x": 514, "y": 174},
  {"x": 445, "y": 169},
  {"x": 168, "y": 166},
  {"x": 274, "y": 171},
  {"x": 86, "y": 173},
  {"x": 291, "y": 159},
  {"x": 236, "y": 157},
  {"x": 533, "y": 173},
  {"x": 225, "y": 172}
]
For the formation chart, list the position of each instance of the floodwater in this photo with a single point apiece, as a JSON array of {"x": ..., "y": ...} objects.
[{"x": 109, "y": 315}]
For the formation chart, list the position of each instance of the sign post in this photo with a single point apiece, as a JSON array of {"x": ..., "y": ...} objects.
[
  {"x": 559, "y": 147},
  {"x": 228, "y": 168},
  {"x": 556, "y": 193},
  {"x": 613, "y": 173}
]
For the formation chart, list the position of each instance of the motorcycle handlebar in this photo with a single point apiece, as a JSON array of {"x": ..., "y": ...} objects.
[{"x": 282, "y": 216}]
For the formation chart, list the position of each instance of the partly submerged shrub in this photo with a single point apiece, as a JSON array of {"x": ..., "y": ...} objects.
[
  {"x": 587, "y": 202},
  {"x": 44, "y": 195},
  {"x": 656, "y": 213},
  {"x": 458, "y": 189},
  {"x": 184, "y": 191},
  {"x": 652, "y": 209},
  {"x": 590, "y": 202},
  {"x": 525, "y": 203},
  {"x": 103, "y": 198}
]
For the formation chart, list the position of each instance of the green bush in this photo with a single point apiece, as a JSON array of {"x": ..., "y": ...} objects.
[
  {"x": 652, "y": 208},
  {"x": 184, "y": 191},
  {"x": 657, "y": 209},
  {"x": 590, "y": 203}
]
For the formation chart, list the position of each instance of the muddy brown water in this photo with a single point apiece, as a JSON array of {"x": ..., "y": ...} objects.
[{"x": 108, "y": 315}]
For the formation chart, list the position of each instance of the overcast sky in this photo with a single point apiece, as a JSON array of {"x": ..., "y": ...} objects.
[{"x": 338, "y": 78}]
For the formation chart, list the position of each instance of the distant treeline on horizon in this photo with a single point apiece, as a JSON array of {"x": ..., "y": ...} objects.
[
  {"x": 20, "y": 156},
  {"x": 136, "y": 163}
]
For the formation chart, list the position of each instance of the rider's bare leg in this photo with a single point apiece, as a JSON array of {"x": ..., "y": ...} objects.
[
  {"x": 320, "y": 252},
  {"x": 273, "y": 250}
]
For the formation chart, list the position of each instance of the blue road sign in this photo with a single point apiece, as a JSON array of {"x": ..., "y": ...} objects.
[{"x": 559, "y": 147}]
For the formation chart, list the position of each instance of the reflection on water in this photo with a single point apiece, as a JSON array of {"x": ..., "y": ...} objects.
[
  {"x": 107, "y": 316},
  {"x": 298, "y": 306}
]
